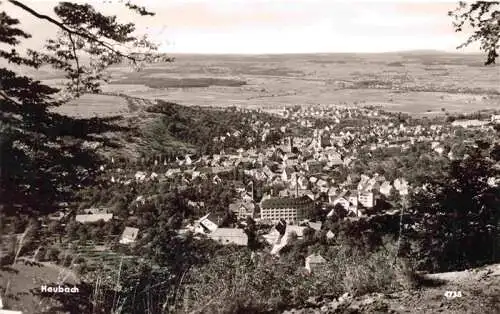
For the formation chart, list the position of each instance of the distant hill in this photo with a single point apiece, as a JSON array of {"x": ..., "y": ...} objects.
[{"x": 323, "y": 54}]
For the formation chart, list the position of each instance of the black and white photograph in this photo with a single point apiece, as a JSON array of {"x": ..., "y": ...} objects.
[{"x": 249, "y": 156}]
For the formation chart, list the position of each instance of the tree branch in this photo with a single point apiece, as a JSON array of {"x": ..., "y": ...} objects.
[
  {"x": 72, "y": 31},
  {"x": 7, "y": 98},
  {"x": 73, "y": 46}
]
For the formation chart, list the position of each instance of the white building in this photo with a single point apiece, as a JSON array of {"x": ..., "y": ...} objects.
[
  {"x": 89, "y": 218},
  {"x": 209, "y": 222},
  {"x": 366, "y": 199},
  {"x": 314, "y": 263},
  {"x": 229, "y": 236},
  {"x": 292, "y": 210},
  {"x": 468, "y": 123},
  {"x": 129, "y": 235}
]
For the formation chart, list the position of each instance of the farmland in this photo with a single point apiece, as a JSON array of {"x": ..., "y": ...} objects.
[{"x": 412, "y": 82}]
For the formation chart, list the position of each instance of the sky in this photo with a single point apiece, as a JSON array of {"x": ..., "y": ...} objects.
[{"x": 278, "y": 26}]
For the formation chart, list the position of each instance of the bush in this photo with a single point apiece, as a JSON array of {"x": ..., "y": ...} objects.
[
  {"x": 237, "y": 283},
  {"x": 458, "y": 216},
  {"x": 52, "y": 254},
  {"x": 8, "y": 249},
  {"x": 64, "y": 259}
]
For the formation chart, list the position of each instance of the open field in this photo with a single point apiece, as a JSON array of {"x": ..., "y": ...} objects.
[
  {"x": 413, "y": 82},
  {"x": 25, "y": 281}
]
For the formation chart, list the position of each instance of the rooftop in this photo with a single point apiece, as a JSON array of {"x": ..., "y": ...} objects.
[
  {"x": 229, "y": 232},
  {"x": 287, "y": 202},
  {"x": 315, "y": 258}
]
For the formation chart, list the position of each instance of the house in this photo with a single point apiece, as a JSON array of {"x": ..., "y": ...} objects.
[
  {"x": 363, "y": 184},
  {"x": 313, "y": 166},
  {"x": 303, "y": 183},
  {"x": 335, "y": 163},
  {"x": 291, "y": 162},
  {"x": 229, "y": 236},
  {"x": 247, "y": 197},
  {"x": 280, "y": 240},
  {"x": 385, "y": 188},
  {"x": 340, "y": 199},
  {"x": 129, "y": 235},
  {"x": 96, "y": 210},
  {"x": 216, "y": 179},
  {"x": 288, "y": 174},
  {"x": 330, "y": 235},
  {"x": 401, "y": 185},
  {"x": 210, "y": 222},
  {"x": 324, "y": 141},
  {"x": 352, "y": 197},
  {"x": 273, "y": 237},
  {"x": 243, "y": 209},
  {"x": 334, "y": 156},
  {"x": 172, "y": 172},
  {"x": 220, "y": 169},
  {"x": 307, "y": 193},
  {"x": 366, "y": 199},
  {"x": 287, "y": 146},
  {"x": 286, "y": 193},
  {"x": 468, "y": 123},
  {"x": 57, "y": 216},
  {"x": 292, "y": 210},
  {"x": 315, "y": 263},
  {"x": 321, "y": 183},
  {"x": 296, "y": 192},
  {"x": 495, "y": 118},
  {"x": 315, "y": 225},
  {"x": 267, "y": 171},
  {"x": 197, "y": 205},
  {"x": 332, "y": 193},
  {"x": 140, "y": 176},
  {"x": 348, "y": 200},
  {"x": 439, "y": 150},
  {"x": 282, "y": 229},
  {"x": 90, "y": 218}
]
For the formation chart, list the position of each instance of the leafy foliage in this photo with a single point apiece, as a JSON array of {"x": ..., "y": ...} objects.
[
  {"x": 202, "y": 129},
  {"x": 484, "y": 18},
  {"x": 43, "y": 160},
  {"x": 246, "y": 282},
  {"x": 458, "y": 215}
]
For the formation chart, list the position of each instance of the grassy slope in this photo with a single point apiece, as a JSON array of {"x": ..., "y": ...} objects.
[
  {"x": 479, "y": 288},
  {"x": 24, "y": 277}
]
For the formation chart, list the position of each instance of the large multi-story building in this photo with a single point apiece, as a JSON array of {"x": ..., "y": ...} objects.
[{"x": 292, "y": 210}]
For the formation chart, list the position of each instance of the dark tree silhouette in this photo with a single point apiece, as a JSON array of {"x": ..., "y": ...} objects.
[
  {"x": 42, "y": 158},
  {"x": 484, "y": 18},
  {"x": 458, "y": 215}
]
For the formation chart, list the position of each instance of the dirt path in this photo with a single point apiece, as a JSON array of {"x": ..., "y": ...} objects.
[
  {"x": 471, "y": 291},
  {"x": 475, "y": 291}
]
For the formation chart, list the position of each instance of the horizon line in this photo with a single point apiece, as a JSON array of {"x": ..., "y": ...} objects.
[{"x": 423, "y": 51}]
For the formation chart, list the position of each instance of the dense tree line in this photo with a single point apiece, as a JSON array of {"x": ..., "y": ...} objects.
[
  {"x": 198, "y": 127},
  {"x": 458, "y": 214}
]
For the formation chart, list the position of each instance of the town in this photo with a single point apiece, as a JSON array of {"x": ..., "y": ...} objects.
[
  {"x": 323, "y": 165},
  {"x": 245, "y": 157}
]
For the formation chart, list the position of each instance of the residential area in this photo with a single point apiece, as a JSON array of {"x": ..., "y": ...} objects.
[{"x": 234, "y": 158}]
